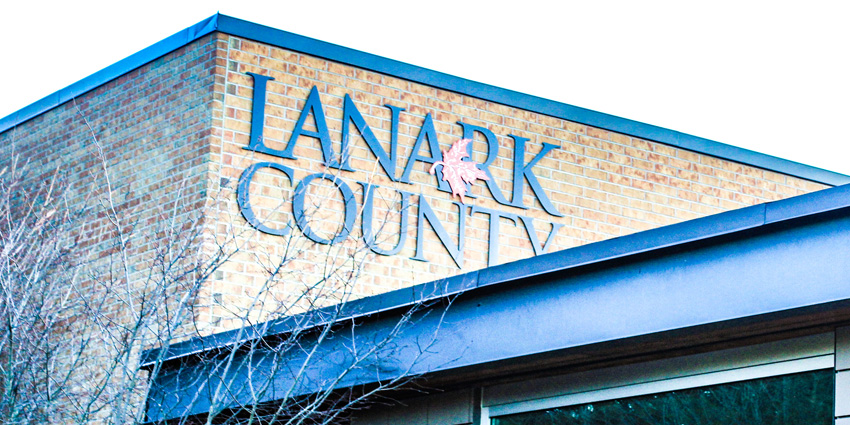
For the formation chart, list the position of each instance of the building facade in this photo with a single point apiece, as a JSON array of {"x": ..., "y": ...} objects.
[{"x": 593, "y": 266}]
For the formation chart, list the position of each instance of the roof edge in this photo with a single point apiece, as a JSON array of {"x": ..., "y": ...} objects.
[
  {"x": 429, "y": 77},
  {"x": 528, "y": 102},
  {"x": 701, "y": 229},
  {"x": 111, "y": 72}
]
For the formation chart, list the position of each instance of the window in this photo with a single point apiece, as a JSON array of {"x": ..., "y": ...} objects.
[
  {"x": 788, "y": 382},
  {"x": 797, "y": 399}
]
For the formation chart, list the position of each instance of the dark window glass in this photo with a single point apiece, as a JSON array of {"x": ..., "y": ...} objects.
[{"x": 798, "y": 399}]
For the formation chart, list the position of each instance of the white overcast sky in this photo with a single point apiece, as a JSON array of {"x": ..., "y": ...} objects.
[{"x": 769, "y": 76}]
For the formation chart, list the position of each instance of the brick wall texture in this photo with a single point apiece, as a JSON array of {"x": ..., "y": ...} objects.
[
  {"x": 175, "y": 130},
  {"x": 605, "y": 184},
  {"x": 153, "y": 126}
]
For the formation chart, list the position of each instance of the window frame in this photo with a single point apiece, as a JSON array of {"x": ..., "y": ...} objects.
[{"x": 803, "y": 354}]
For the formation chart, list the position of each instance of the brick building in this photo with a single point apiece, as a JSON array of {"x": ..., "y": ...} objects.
[{"x": 601, "y": 263}]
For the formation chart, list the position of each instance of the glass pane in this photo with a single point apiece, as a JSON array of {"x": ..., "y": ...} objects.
[{"x": 798, "y": 399}]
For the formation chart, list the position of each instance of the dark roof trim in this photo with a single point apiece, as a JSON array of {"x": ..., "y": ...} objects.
[
  {"x": 110, "y": 73},
  {"x": 524, "y": 101},
  {"x": 765, "y": 269},
  {"x": 380, "y": 64},
  {"x": 808, "y": 206}
]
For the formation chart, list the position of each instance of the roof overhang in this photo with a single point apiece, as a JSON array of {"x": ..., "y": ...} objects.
[{"x": 778, "y": 266}]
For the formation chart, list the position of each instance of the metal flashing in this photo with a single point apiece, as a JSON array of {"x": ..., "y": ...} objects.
[
  {"x": 110, "y": 73},
  {"x": 759, "y": 263},
  {"x": 655, "y": 242},
  {"x": 283, "y": 39}
]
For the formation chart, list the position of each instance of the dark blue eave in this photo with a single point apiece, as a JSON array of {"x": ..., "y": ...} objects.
[
  {"x": 789, "y": 212},
  {"x": 110, "y": 73},
  {"x": 283, "y": 39},
  {"x": 782, "y": 259}
]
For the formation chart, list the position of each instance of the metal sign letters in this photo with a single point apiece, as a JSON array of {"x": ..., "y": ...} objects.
[{"x": 389, "y": 162}]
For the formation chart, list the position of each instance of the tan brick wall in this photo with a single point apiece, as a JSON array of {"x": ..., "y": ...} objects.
[
  {"x": 152, "y": 123},
  {"x": 604, "y": 183}
]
